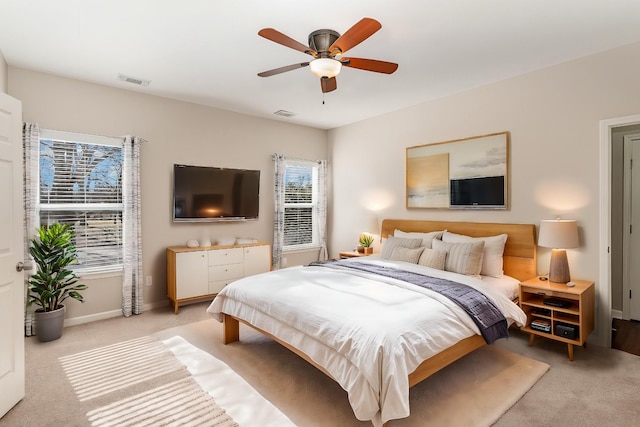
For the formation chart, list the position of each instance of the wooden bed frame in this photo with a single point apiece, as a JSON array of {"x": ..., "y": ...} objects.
[{"x": 519, "y": 262}]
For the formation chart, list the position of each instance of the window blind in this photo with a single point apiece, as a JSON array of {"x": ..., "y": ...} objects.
[
  {"x": 81, "y": 185},
  {"x": 300, "y": 203}
]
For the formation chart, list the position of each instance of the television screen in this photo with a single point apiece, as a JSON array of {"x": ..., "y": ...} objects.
[
  {"x": 203, "y": 194},
  {"x": 484, "y": 191}
]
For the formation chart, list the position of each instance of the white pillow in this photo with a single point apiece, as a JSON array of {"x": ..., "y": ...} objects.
[
  {"x": 394, "y": 242},
  {"x": 406, "y": 254},
  {"x": 492, "y": 253},
  {"x": 463, "y": 258},
  {"x": 426, "y": 237},
  {"x": 433, "y": 258}
]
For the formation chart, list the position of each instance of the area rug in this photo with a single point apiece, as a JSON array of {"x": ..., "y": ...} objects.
[
  {"x": 149, "y": 382},
  {"x": 475, "y": 391}
]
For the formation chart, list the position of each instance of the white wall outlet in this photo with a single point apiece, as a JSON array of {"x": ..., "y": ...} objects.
[{"x": 148, "y": 280}]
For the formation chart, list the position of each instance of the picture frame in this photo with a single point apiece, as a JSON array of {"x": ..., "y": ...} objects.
[{"x": 467, "y": 173}]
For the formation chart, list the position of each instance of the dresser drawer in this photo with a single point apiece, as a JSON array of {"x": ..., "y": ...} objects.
[
  {"x": 225, "y": 272},
  {"x": 217, "y": 286},
  {"x": 226, "y": 256}
]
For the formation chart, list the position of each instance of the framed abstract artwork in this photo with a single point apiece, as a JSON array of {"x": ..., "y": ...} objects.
[{"x": 468, "y": 173}]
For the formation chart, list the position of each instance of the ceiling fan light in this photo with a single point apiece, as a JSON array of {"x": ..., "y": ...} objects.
[{"x": 325, "y": 67}]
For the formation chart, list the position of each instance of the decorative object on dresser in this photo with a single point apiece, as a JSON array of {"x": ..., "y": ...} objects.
[
  {"x": 559, "y": 235},
  {"x": 558, "y": 312},
  {"x": 200, "y": 273}
]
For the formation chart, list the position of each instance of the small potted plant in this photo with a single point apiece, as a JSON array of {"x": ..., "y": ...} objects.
[
  {"x": 366, "y": 240},
  {"x": 53, "y": 251}
]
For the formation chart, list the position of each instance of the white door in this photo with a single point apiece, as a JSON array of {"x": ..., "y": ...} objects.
[
  {"x": 631, "y": 241},
  {"x": 12, "y": 291}
]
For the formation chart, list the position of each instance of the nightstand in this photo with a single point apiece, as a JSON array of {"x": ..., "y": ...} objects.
[
  {"x": 352, "y": 254},
  {"x": 558, "y": 312}
]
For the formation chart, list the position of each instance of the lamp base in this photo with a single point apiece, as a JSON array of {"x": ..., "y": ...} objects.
[{"x": 559, "y": 267}]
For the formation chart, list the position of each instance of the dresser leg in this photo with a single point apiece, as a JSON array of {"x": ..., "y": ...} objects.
[
  {"x": 531, "y": 337},
  {"x": 570, "y": 349}
]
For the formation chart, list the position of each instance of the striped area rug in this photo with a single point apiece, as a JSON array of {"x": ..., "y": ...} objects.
[{"x": 144, "y": 384}]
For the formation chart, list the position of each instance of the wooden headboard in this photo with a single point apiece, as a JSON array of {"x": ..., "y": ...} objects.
[{"x": 519, "y": 251}]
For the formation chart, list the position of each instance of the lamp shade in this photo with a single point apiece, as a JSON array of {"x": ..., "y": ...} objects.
[
  {"x": 325, "y": 67},
  {"x": 558, "y": 234}
]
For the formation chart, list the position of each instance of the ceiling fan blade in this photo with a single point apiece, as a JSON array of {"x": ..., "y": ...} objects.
[
  {"x": 370, "y": 65},
  {"x": 283, "y": 69},
  {"x": 277, "y": 37},
  {"x": 328, "y": 84},
  {"x": 355, "y": 35}
]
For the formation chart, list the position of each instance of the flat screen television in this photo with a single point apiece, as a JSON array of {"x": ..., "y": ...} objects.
[
  {"x": 209, "y": 194},
  {"x": 486, "y": 192}
]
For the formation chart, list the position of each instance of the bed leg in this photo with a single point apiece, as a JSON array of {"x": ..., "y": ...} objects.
[{"x": 231, "y": 329}]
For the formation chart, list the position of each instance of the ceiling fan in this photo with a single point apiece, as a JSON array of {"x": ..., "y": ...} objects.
[{"x": 327, "y": 48}]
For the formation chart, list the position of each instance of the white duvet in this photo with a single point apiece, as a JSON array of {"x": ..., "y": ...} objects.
[{"x": 369, "y": 333}]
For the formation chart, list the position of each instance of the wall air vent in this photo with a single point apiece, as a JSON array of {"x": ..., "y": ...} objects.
[
  {"x": 284, "y": 113},
  {"x": 133, "y": 80}
]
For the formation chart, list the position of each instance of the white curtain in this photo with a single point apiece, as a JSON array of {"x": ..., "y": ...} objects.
[
  {"x": 322, "y": 209},
  {"x": 280, "y": 164},
  {"x": 132, "y": 281},
  {"x": 30, "y": 143}
]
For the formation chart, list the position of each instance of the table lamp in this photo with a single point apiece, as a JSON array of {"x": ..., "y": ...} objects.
[{"x": 558, "y": 235}]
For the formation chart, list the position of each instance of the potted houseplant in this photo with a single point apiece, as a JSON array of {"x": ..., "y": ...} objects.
[
  {"x": 366, "y": 240},
  {"x": 53, "y": 250}
]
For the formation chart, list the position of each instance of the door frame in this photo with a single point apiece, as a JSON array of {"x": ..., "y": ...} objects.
[{"x": 602, "y": 335}]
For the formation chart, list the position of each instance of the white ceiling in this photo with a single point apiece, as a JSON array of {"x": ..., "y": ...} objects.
[{"x": 208, "y": 51}]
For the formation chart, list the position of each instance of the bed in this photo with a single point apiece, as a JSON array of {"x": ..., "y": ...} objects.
[{"x": 378, "y": 336}]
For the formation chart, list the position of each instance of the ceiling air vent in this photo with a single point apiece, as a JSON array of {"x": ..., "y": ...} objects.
[
  {"x": 133, "y": 80},
  {"x": 284, "y": 113}
]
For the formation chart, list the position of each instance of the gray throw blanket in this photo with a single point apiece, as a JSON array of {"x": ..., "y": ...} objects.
[{"x": 485, "y": 314}]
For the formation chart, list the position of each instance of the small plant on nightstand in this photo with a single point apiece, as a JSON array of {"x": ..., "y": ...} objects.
[{"x": 366, "y": 240}]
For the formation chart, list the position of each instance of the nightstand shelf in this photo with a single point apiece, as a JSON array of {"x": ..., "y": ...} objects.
[
  {"x": 352, "y": 254},
  {"x": 575, "y": 319}
]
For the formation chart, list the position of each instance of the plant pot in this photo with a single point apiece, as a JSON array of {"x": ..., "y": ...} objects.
[
  {"x": 49, "y": 324},
  {"x": 368, "y": 250}
]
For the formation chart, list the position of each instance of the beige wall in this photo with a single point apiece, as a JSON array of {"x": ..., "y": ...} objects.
[
  {"x": 176, "y": 132},
  {"x": 553, "y": 116}
]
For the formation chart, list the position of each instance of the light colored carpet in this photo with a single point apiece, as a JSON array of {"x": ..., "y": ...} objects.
[
  {"x": 598, "y": 389},
  {"x": 475, "y": 391}
]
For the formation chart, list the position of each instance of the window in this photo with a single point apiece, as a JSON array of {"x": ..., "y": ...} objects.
[
  {"x": 300, "y": 205},
  {"x": 80, "y": 183}
]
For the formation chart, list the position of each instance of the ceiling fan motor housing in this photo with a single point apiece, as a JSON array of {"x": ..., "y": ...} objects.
[{"x": 321, "y": 41}]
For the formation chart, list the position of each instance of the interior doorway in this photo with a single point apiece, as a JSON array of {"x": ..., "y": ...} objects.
[
  {"x": 631, "y": 218},
  {"x": 609, "y": 289}
]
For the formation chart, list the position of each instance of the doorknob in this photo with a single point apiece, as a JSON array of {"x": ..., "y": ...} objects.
[{"x": 20, "y": 266}]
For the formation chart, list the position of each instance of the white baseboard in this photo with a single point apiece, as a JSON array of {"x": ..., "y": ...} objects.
[
  {"x": 616, "y": 314},
  {"x": 108, "y": 314}
]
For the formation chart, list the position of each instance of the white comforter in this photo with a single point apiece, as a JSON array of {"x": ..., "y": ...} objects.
[{"x": 368, "y": 332}]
